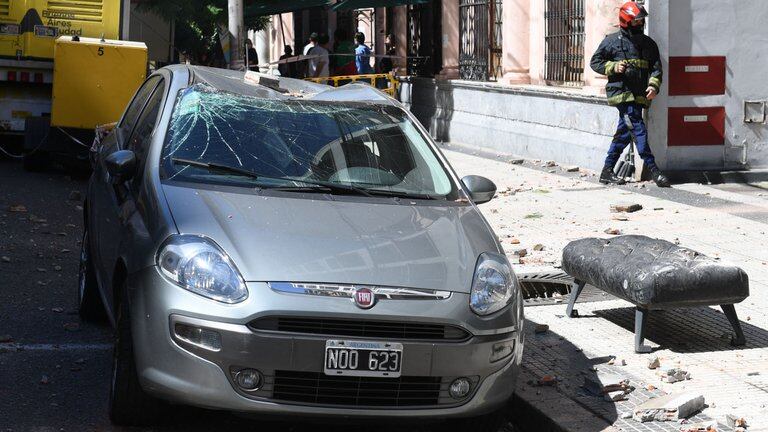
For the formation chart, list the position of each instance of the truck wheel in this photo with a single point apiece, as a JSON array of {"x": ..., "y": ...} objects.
[
  {"x": 36, "y": 162},
  {"x": 89, "y": 304},
  {"x": 129, "y": 405}
]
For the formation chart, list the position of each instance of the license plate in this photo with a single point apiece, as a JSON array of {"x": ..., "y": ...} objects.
[{"x": 359, "y": 358}]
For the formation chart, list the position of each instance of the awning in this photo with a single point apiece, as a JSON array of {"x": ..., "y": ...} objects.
[
  {"x": 362, "y": 4},
  {"x": 274, "y": 7}
]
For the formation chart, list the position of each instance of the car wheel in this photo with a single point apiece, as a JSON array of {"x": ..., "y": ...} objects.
[
  {"x": 89, "y": 304},
  {"x": 129, "y": 404}
]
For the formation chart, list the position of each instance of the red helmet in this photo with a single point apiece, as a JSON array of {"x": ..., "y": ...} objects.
[{"x": 631, "y": 11}]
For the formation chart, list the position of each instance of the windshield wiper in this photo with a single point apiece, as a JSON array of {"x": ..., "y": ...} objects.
[
  {"x": 404, "y": 194},
  {"x": 213, "y": 166}
]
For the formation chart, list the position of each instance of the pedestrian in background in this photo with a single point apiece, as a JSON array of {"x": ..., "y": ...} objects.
[
  {"x": 386, "y": 65},
  {"x": 343, "y": 61},
  {"x": 631, "y": 61},
  {"x": 362, "y": 55},
  {"x": 319, "y": 58},
  {"x": 287, "y": 69},
  {"x": 252, "y": 56},
  {"x": 305, "y": 63}
]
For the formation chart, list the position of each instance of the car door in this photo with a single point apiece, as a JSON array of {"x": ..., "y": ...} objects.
[{"x": 111, "y": 201}]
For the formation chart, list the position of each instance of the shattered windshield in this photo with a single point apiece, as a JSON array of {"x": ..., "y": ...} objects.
[{"x": 222, "y": 137}]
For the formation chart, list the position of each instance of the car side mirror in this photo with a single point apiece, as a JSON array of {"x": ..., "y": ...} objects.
[
  {"x": 480, "y": 189},
  {"x": 121, "y": 165}
]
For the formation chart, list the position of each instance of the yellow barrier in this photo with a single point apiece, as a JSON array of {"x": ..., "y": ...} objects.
[{"x": 372, "y": 79}]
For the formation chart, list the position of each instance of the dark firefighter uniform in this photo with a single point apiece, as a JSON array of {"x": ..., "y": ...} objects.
[{"x": 627, "y": 90}]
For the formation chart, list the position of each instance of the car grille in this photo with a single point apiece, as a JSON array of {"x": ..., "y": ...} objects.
[
  {"x": 361, "y": 328},
  {"x": 317, "y": 388}
]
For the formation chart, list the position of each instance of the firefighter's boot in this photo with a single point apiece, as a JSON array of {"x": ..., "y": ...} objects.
[
  {"x": 660, "y": 179},
  {"x": 608, "y": 177}
]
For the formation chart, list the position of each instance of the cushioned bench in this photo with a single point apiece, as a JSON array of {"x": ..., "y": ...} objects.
[{"x": 654, "y": 275}]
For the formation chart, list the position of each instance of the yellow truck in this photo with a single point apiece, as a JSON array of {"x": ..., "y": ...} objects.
[{"x": 63, "y": 71}]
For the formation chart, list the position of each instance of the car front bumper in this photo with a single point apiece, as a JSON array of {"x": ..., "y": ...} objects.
[{"x": 178, "y": 371}]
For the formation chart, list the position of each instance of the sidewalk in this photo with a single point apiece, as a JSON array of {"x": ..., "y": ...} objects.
[{"x": 541, "y": 205}]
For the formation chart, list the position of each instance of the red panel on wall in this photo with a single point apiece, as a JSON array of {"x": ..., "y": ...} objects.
[
  {"x": 690, "y": 76},
  {"x": 696, "y": 126}
]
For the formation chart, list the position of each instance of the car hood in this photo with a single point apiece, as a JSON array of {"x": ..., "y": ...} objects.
[{"x": 327, "y": 239}]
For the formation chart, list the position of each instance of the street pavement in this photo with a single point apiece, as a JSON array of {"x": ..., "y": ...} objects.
[{"x": 543, "y": 204}]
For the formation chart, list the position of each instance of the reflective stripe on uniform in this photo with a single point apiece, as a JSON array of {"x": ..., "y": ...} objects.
[
  {"x": 609, "y": 67},
  {"x": 655, "y": 83},
  {"x": 627, "y": 97}
]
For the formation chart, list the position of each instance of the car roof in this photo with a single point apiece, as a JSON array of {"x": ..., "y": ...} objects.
[{"x": 233, "y": 81}]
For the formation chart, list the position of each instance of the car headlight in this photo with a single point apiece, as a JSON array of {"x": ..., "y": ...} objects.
[
  {"x": 197, "y": 264},
  {"x": 494, "y": 285}
]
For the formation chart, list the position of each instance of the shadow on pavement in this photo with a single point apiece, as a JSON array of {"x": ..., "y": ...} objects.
[
  {"x": 538, "y": 406},
  {"x": 688, "y": 330}
]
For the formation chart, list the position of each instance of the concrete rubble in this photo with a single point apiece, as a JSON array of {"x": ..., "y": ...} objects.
[
  {"x": 625, "y": 208},
  {"x": 674, "y": 375},
  {"x": 671, "y": 407},
  {"x": 612, "y": 387},
  {"x": 654, "y": 363}
]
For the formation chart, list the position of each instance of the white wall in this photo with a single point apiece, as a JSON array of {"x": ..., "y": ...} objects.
[
  {"x": 532, "y": 122},
  {"x": 735, "y": 29}
]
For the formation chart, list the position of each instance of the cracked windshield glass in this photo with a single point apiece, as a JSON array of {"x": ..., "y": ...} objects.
[{"x": 220, "y": 137}]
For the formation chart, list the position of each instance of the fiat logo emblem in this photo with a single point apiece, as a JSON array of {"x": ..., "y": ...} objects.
[{"x": 364, "y": 298}]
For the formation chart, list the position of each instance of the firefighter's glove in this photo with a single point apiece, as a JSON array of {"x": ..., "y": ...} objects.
[{"x": 650, "y": 93}]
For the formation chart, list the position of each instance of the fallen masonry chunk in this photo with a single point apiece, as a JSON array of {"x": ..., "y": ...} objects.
[
  {"x": 710, "y": 426},
  {"x": 541, "y": 328},
  {"x": 653, "y": 362},
  {"x": 521, "y": 252},
  {"x": 551, "y": 163},
  {"x": 516, "y": 161},
  {"x": 620, "y": 218},
  {"x": 626, "y": 415},
  {"x": 670, "y": 407},
  {"x": 674, "y": 375},
  {"x": 538, "y": 247},
  {"x": 516, "y": 241},
  {"x": 613, "y": 231},
  {"x": 615, "y": 396},
  {"x": 735, "y": 421},
  {"x": 603, "y": 383},
  {"x": 625, "y": 208},
  {"x": 548, "y": 380},
  {"x": 572, "y": 168}
]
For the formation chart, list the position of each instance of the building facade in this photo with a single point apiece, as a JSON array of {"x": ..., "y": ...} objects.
[{"x": 512, "y": 76}]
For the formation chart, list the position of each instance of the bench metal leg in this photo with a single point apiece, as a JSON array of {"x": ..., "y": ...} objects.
[
  {"x": 641, "y": 315},
  {"x": 575, "y": 291},
  {"x": 730, "y": 313}
]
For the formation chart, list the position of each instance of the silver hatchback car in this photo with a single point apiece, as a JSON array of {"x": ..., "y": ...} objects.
[{"x": 291, "y": 248}]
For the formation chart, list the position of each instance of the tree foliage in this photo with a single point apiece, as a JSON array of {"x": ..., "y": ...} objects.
[{"x": 197, "y": 22}]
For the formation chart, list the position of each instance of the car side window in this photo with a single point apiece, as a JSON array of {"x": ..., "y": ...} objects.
[
  {"x": 134, "y": 109},
  {"x": 139, "y": 141}
]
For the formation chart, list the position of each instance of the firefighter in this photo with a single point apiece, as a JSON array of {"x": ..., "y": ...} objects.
[{"x": 630, "y": 60}]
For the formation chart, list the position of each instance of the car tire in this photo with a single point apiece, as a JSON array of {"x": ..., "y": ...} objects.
[
  {"x": 129, "y": 404},
  {"x": 89, "y": 304}
]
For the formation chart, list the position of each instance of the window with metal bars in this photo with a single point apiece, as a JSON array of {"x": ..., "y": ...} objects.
[
  {"x": 480, "y": 34},
  {"x": 564, "y": 40}
]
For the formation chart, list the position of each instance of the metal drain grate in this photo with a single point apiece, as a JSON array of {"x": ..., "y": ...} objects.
[{"x": 548, "y": 287}]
